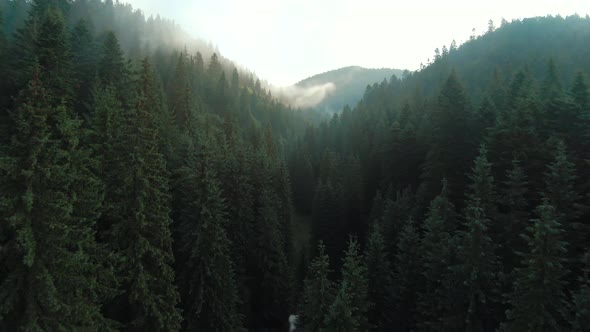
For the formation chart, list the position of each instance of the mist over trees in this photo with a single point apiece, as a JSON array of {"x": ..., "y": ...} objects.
[{"x": 148, "y": 184}]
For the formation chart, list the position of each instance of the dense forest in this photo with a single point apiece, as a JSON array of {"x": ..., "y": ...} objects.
[{"x": 148, "y": 184}]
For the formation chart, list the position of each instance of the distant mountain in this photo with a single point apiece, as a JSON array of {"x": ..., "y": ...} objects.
[{"x": 334, "y": 89}]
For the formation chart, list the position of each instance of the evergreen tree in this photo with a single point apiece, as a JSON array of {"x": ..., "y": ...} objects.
[
  {"x": 83, "y": 50},
  {"x": 581, "y": 299},
  {"x": 53, "y": 56},
  {"x": 581, "y": 97},
  {"x": 180, "y": 101},
  {"x": 478, "y": 263},
  {"x": 560, "y": 180},
  {"x": 318, "y": 292},
  {"x": 352, "y": 296},
  {"x": 327, "y": 219},
  {"x": 538, "y": 302},
  {"x": 139, "y": 231},
  {"x": 380, "y": 281},
  {"x": 407, "y": 276},
  {"x": 514, "y": 216},
  {"x": 437, "y": 253},
  {"x": 209, "y": 294},
  {"x": 450, "y": 146},
  {"x": 112, "y": 69},
  {"x": 50, "y": 200}
]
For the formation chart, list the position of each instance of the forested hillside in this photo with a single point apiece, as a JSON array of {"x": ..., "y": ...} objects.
[
  {"x": 147, "y": 184},
  {"x": 142, "y": 184},
  {"x": 466, "y": 187},
  {"x": 345, "y": 86}
]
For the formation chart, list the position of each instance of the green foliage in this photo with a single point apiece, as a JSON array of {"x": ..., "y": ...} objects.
[
  {"x": 450, "y": 145},
  {"x": 318, "y": 292},
  {"x": 538, "y": 302},
  {"x": 207, "y": 277},
  {"x": 138, "y": 219},
  {"x": 52, "y": 276},
  {"x": 350, "y": 307},
  {"x": 437, "y": 254},
  {"x": 407, "y": 279},
  {"x": 380, "y": 281}
]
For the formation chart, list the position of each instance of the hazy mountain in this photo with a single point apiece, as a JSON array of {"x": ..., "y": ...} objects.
[{"x": 332, "y": 90}]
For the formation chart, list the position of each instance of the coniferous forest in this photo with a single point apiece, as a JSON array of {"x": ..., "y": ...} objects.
[{"x": 149, "y": 184}]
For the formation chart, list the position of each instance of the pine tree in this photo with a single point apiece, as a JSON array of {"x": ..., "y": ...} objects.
[
  {"x": 271, "y": 269},
  {"x": 341, "y": 316},
  {"x": 83, "y": 50},
  {"x": 352, "y": 296},
  {"x": 380, "y": 281},
  {"x": 581, "y": 97},
  {"x": 560, "y": 180},
  {"x": 210, "y": 293},
  {"x": 327, "y": 220},
  {"x": 482, "y": 186},
  {"x": 318, "y": 292},
  {"x": 581, "y": 299},
  {"x": 437, "y": 253},
  {"x": 112, "y": 69},
  {"x": 50, "y": 201},
  {"x": 538, "y": 302},
  {"x": 407, "y": 276},
  {"x": 139, "y": 222},
  {"x": 449, "y": 147},
  {"x": 514, "y": 216},
  {"x": 53, "y": 56},
  {"x": 478, "y": 264},
  {"x": 180, "y": 101}
]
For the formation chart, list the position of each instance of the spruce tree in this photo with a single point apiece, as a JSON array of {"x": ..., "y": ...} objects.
[
  {"x": 180, "y": 98},
  {"x": 560, "y": 180},
  {"x": 380, "y": 281},
  {"x": 478, "y": 264},
  {"x": 538, "y": 302},
  {"x": 318, "y": 292},
  {"x": 514, "y": 216},
  {"x": 50, "y": 200},
  {"x": 450, "y": 145},
  {"x": 83, "y": 50},
  {"x": 112, "y": 69},
  {"x": 139, "y": 222},
  {"x": 407, "y": 279},
  {"x": 352, "y": 296},
  {"x": 437, "y": 254},
  {"x": 209, "y": 290},
  {"x": 581, "y": 298}
]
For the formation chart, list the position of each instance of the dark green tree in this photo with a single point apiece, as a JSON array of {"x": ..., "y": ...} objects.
[
  {"x": 406, "y": 276},
  {"x": 352, "y": 296},
  {"x": 513, "y": 217},
  {"x": 318, "y": 292},
  {"x": 139, "y": 222},
  {"x": 450, "y": 146},
  {"x": 380, "y": 281},
  {"x": 438, "y": 254},
  {"x": 478, "y": 263},
  {"x": 84, "y": 58},
  {"x": 210, "y": 295},
  {"x": 560, "y": 181},
  {"x": 538, "y": 302},
  {"x": 50, "y": 200},
  {"x": 581, "y": 298}
]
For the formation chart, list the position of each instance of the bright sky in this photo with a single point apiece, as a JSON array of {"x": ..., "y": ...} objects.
[{"x": 284, "y": 41}]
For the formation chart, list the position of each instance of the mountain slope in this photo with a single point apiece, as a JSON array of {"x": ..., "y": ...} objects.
[{"x": 344, "y": 86}]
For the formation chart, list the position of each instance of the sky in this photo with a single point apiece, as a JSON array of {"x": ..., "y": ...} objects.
[{"x": 285, "y": 41}]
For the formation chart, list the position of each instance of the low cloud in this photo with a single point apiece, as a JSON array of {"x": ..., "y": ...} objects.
[{"x": 305, "y": 97}]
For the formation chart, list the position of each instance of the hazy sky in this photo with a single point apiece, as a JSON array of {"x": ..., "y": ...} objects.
[{"x": 284, "y": 41}]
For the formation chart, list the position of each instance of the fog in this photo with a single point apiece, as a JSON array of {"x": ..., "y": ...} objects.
[{"x": 304, "y": 97}]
